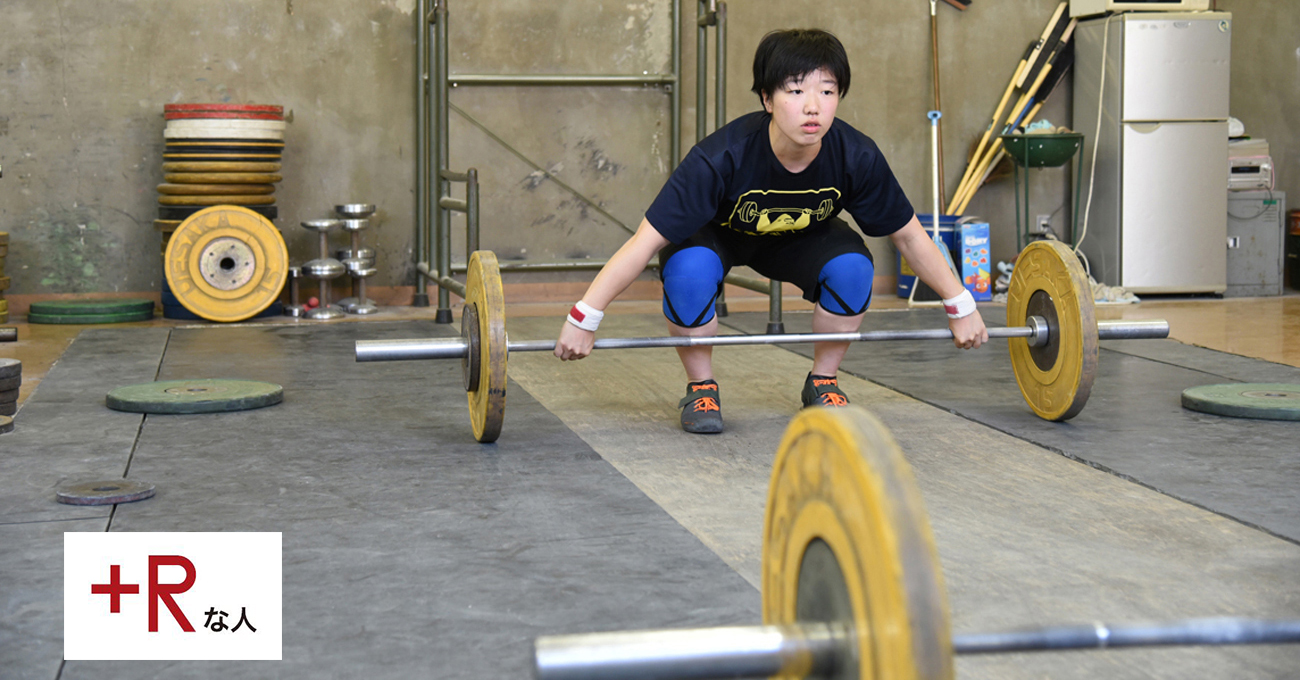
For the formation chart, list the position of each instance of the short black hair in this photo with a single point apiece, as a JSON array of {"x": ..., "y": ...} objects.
[{"x": 793, "y": 54}]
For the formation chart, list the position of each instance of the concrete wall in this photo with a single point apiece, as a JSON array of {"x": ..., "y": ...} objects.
[{"x": 82, "y": 87}]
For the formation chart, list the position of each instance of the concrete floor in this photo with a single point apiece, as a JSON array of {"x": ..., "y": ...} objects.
[{"x": 593, "y": 512}]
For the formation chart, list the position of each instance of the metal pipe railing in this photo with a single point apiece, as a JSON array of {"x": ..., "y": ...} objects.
[
  {"x": 421, "y": 144},
  {"x": 562, "y": 79},
  {"x": 443, "y": 222},
  {"x": 552, "y": 266},
  {"x": 432, "y": 224}
]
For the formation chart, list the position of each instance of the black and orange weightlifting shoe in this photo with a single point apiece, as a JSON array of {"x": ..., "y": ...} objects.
[
  {"x": 701, "y": 408},
  {"x": 820, "y": 390}
]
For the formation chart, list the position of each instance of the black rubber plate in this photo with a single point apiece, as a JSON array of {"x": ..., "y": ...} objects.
[
  {"x": 1268, "y": 401},
  {"x": 104, "y": 492},
  {"x": 8, "y": 408},
  {"x": 10, "y": 367},
  {"x": 194, "y": 396},
  {"x": 104, "y": 306},
  {"x": 13, "y": 383},
  {"x": 8, "y": 396},
  {"x": 6, "y": 424},
  {"x": 172, "y": 212}
]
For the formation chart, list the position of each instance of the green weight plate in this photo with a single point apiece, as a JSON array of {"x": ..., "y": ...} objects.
[
  {"x": 90, "y": 318},
  {"x": 1267, "y": 401},
  {"x": 194, "y": 396},
  {"x": 100, "y": 306},
  {"x": 10, "y": 368},
  {"x": 6, "y": 424}
]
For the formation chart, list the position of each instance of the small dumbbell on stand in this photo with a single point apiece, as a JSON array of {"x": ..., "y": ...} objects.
[
  {"x": 360, "y": 262},
  {"x": 295, "y": 308},
  {"x": 323, "y": 269}
]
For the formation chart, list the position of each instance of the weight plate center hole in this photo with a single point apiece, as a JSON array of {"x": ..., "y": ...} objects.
[
  {"x": 227, "y": 263},
  {"x": 1045, "y": 355}
]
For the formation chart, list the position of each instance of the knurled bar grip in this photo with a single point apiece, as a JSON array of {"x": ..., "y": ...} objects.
[
  {"x": 454, "y": 348},
  {"x": 764, "y": 651}
]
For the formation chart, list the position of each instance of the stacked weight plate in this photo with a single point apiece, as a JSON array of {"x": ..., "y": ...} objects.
[
  {"x": 110, "y": 310},
  {"x": 11, "y": 378},
  {"x": 217, "y": 154},
  {"x": 4, "y": 278}
]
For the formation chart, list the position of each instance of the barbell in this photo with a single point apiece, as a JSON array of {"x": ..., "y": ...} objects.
[
  {"x": 851, "y": 585},
  {"x": 1051, "y": 324}
]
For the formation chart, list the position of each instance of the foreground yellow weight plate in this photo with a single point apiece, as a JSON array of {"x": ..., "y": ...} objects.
[
  {"x": 487, "y": 403},
  {"x": 221, "y": 178},
  {"x": 1048, "y": 281},
  {"x": 216, "y": 200},
  {"x": 847, "y": 539},
  {"x": 215, "y": 189},
  {"x": 226, "y": 263},
  {"x": 220, "y": 166}
]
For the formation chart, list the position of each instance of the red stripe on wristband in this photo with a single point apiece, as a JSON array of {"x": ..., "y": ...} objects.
[
  {"x": 577, "y": 314},
  {"x": 951, "y": 309}
]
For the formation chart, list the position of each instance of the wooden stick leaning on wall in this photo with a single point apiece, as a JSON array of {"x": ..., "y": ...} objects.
[
  {"x": 1028, "y": 70},
  {"x": 997, "y": 115},
  {"x": 1020, "y": 113},
  {"x": 1049, "y": 85}
]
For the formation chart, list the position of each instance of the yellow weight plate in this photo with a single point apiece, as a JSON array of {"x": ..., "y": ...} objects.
[
  {"x": 215, "y": 189},
  {"x": 226, "y": 263},
  {"x": 487, "y": 403},
  {"x": 1048, "y": 281},
  {"x": 4, "y": 283},
  {"x": 166, "y": 226},
  {"x": 4, "y": 306},
  {"x": 216, "y": 200},
  {"x": 221, "y": 178},
  {"x": 846, "y": 539},
  {"x": 219, "y": 166}
]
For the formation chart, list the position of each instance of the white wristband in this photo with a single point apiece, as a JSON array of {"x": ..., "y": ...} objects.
[
  {"x": 588, "y": 318},
  {"x": 960, "y": 306}
]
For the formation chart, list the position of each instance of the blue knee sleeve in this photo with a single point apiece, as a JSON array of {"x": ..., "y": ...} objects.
[
  {"x": 844, "y": 284},
  {"x": 692, "y": 281}
]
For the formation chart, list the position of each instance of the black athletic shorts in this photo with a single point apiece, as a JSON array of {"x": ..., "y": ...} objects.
[{"x": 795, "y": 258}]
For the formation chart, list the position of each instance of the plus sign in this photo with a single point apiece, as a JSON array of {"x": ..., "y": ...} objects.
[{"x": 115, "y": 589}]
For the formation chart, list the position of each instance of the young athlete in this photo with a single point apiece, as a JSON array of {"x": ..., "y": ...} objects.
[{"x": 764, "y": 191}]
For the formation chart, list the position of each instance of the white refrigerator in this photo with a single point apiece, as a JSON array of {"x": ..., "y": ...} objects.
[{"x": 1158, "y": 216}]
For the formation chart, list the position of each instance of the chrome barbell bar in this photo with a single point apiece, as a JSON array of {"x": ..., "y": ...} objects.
[
  {"x": 818, "y": 649},
  {"x": 1035, "y": 331}
]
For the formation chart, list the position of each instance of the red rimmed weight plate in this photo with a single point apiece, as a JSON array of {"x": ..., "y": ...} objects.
[
  {"x": 244, "y": 108},
  {"x": 223, "y": 115},
  {"x": 226, "y": 263}
]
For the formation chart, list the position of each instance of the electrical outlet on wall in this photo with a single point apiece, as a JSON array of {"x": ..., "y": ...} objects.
[{"x": 1042, "y": 224}]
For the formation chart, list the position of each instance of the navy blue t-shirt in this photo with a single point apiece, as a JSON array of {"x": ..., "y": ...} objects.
[{"x": 734, "y": 180}]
